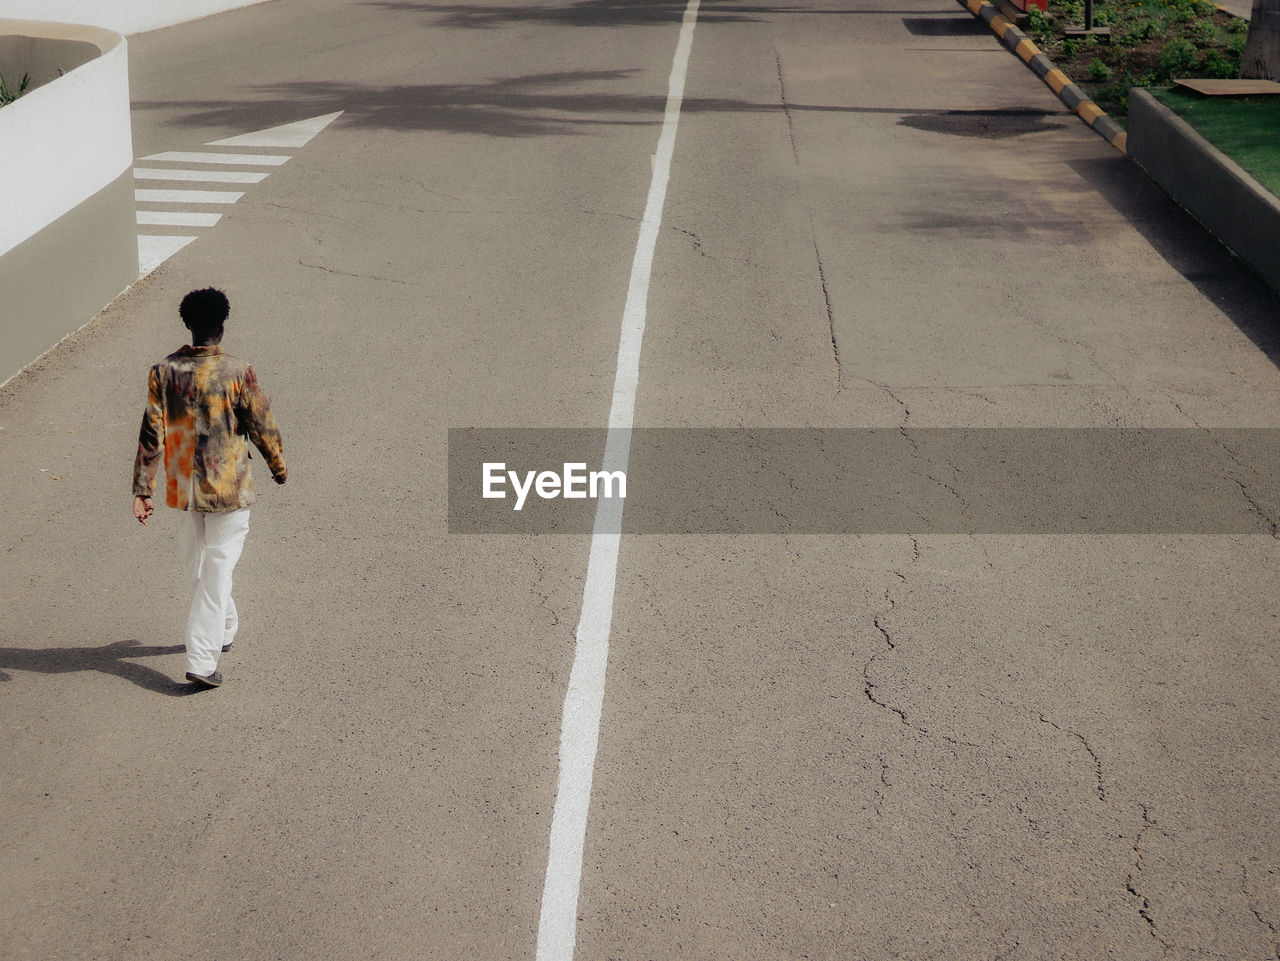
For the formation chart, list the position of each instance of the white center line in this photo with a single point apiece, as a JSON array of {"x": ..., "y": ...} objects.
[{"x": 580, "y": 727}]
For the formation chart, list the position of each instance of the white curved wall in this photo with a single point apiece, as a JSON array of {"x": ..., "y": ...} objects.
[
  {"x": 63, "y": 142},
  {"x": 68, "y": 231},
  {"x": 122, "y": 16}
]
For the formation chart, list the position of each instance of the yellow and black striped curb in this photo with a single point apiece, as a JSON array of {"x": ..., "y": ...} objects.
[{"x": 1072, "y": 96}]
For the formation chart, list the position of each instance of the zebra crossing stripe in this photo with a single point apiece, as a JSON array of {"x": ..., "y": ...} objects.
[
  {"x": 154, "y": 248},
  {"x": 176, "y": 218},
  {"x": 204, "y": 157},
  {"x": 200, "y": 176},
  {"x": 188, "y": 196}
]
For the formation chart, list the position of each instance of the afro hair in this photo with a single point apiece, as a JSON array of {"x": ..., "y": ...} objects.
[{"x": 204, "y": 311}]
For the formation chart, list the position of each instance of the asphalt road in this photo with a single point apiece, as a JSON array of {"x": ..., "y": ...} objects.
[{"x": 896, "y": 745}]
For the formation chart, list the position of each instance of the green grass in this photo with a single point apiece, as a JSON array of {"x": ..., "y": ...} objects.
[{"x": 1246, "y": 129}]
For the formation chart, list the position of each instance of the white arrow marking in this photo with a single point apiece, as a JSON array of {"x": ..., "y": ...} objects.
[{"x": 297, "y": 134}]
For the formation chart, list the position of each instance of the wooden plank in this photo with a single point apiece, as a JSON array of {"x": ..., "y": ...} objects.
[{"x": 1231, "y": 88}]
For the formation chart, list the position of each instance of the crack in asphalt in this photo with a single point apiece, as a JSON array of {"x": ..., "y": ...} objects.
[
  {"x": 1257, "y": 508},
  {"x": 544, "y": 599},
  {"x": 1089, "y": 354},
  {"x": 826, "y": 299},
  {"x": 699, "y": 247},
  {"x": 1244, "y": 488},
  {"x": 1100, "y": 786},
  {"x": 786, "y": 107},
  {"x": 969, "y": 392},
  {"x": 696, "y": 240},
  {"x": 1271, "y": 522},
  {"x": 813, "y": 229},
  {"x": 906, "y": 411},
  {"x": 345, "y": 273},
  {"x": 869, "y": 686},
  {"x": 1271, "y": 928},
  {"x": 1130, "y": 882},
  {"x": 881, "y": 792}
]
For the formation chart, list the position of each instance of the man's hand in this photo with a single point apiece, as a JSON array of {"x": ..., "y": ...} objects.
[
  {"x": 281, "y": 477},
  {"x": 142, "y": 508}
]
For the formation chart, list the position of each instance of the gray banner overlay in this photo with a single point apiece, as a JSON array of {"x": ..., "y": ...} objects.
[{"x": 876, "y": 481}]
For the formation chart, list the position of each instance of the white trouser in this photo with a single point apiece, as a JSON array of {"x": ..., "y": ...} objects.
[{"x": 211, "y": 545}]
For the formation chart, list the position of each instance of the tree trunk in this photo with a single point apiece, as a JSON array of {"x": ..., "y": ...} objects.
[{"x": 1261, "y": 59}]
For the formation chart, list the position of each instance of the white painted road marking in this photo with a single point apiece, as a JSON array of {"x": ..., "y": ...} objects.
[
  {"x": 188, "y": 196},
  {"x": 200, "y": 176},
  {"x": 580, "y": 727},
  {"x": 203, "y": 157},
  {"x": 153, "y": 250},
  {"x": 176, "y": 218},
  {"x": 296, "y": 134}
]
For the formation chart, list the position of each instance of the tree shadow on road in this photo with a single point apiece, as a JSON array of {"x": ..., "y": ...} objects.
[
  {"x": 507, "y": 107},
  {"x": 114, "y": 659},
  {"x": 531, "y": 105},
  {"x": 1189, "y": 249},
  {"x": 541, "y": 105},
  {"x": 592, "y": 13}
]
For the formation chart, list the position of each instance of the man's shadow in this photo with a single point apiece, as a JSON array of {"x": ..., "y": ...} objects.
[{"x": 114, "y": 659}]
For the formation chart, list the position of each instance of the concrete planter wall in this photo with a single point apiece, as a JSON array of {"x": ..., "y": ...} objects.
[
  {"x": 68, "y": 234},
  {"x": 122, "y": 16},
  {"x": 1214, "y": 189}
]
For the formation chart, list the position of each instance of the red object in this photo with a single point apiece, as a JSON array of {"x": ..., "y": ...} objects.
[{"x": 1025, "y": 5}]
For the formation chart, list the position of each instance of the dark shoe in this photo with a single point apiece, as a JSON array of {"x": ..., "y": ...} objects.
[
  {"x": 213, "y": 680},
  {"x": 225, "y": 648}
]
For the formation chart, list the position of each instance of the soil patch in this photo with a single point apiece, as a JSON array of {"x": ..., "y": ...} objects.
[{"x": 1152, "y": 43}]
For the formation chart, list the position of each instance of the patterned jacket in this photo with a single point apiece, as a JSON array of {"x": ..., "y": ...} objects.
[{"x": 203, "y": 408}]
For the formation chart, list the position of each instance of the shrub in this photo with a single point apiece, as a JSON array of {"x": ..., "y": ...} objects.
[
  {"x": 1038, "y": 25},
  {"x": 1072, "y": 10},
  {"x": 1142, "y": 30},
  {"x": 7, "y": 95},
  {"x": 1099, "y": 72},
  {"x": 1218, "y": 67},
  {"x": 1177, "y": 58},
  {"x": 1202, "y": 33}
]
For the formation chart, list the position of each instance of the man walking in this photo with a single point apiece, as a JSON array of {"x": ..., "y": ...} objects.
[{"x": 204, "y": 406}]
